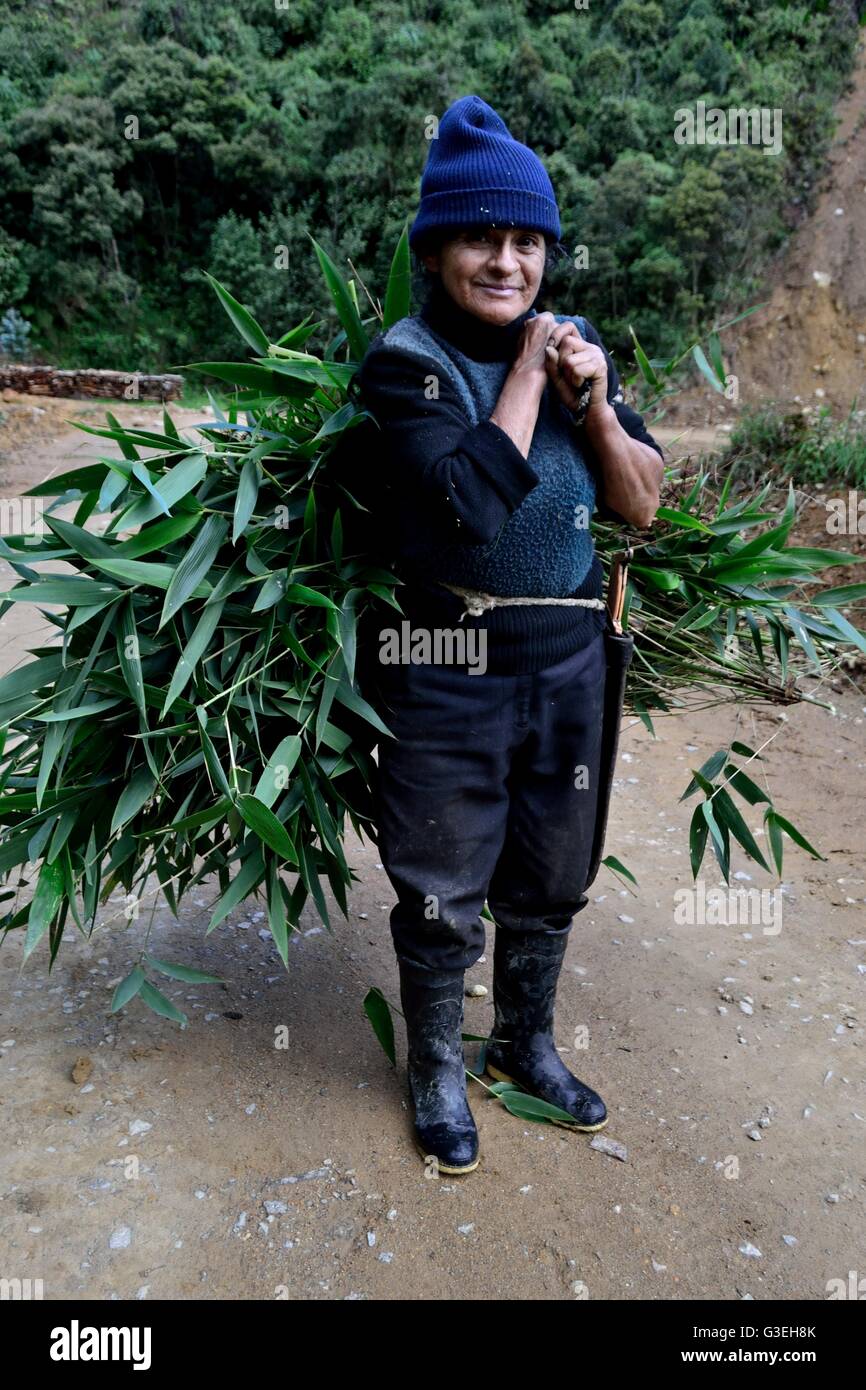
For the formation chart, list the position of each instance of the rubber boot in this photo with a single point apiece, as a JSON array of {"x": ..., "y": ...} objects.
[
  {"x": 433, "y": 1008},
  {"x": 526, "y": 967}
]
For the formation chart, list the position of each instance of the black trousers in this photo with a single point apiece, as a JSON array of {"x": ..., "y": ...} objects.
[{"x": 489, "y": 791}]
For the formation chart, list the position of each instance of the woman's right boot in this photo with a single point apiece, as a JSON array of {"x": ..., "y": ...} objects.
[{"x": 433, "y": 1008}]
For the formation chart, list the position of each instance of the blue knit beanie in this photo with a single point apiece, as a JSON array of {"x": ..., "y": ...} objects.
[{"x": 477, "y": 173}]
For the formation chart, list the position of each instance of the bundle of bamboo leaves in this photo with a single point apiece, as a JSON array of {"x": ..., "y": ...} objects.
[{"x": 198, "y": 714}]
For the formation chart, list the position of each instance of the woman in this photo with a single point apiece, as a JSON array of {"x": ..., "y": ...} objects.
[{"x": 501, "y": 430}]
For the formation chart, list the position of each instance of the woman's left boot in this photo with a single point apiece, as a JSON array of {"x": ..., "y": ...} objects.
[{"x": 526, "y": 968}]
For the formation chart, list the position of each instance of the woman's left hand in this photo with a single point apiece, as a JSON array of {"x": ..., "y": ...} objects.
[{"x": 571, "y": 361}]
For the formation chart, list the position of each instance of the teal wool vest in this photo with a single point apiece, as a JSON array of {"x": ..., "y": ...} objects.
[{"x": 544, "y": 548}]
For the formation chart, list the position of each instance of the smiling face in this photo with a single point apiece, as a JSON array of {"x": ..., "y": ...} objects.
[{"x": 494, "y": 273}]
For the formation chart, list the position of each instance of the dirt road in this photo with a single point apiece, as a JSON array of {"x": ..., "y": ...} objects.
[{"x": 141, "y": 1161}]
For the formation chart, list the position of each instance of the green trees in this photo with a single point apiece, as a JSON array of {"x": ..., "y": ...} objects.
[{"x": 138, "y": 143}]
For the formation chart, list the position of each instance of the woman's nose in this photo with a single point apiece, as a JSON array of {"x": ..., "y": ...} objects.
[{"x": 503, "y": 258}]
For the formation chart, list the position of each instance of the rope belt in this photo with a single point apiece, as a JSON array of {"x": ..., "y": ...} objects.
[{"x": 478, "y": 603}]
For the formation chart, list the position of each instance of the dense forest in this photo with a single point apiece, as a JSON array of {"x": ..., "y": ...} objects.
[{"x": 142, "y": 142}]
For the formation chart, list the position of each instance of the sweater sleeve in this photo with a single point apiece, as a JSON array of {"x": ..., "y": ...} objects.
[
  {"x": 472, "y": 476},
  {"x": 631, "y": 421}
]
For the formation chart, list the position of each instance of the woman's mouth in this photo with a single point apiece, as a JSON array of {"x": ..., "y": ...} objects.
[{"x": 501, "y": 291}]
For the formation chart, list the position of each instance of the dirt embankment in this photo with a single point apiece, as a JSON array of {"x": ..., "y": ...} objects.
[{"x": 807, "y": 347}]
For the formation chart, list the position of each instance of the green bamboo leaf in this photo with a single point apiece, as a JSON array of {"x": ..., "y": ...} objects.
[
  {"x": 715, "y": 351},
  {"x": 706, "y": 369},
  {"x": 244, "y": 374},
  {"x": 310, "y": 877},
  {"x": 355, "y": 702},
  {"x": 378, "y": 1011},
  {"x": 774, "y": 835},
  {"x": 300, "y": 593},
  {"x": 152, "y": 575},
  {"x": 798, "y": 627},
  {"x": 43, "y": 906},
  {"x": 82, "y": 542},
  {"x": 240, "y": 317},
  {"x": 526, "y": 1107},
  {"x": 278, "y": 922},
  {"x": 248, "y": 877},
  {"x": 138, "y": 790},
  {"x": 748, "y": 789},
  {"x": 68, "y": 590},
  {"x": 61, "y": 716},
  {"x": 264, "y": 823},
  {"x": 174, "y": 486},
  {"x": 346, "y": 311},
  {"x": 399, "y": 289},
  {"x": 847, "y": 629},
  {"x": 193, "y": 653},
  {"x": 745, "y": 751},
  {"x": 681, "y": 518},
  {"x": 846, "y": 593},
  {"x": 183, "y": 972},
  {"x": 76, "y": 480},
  {"x": 275, "y": 777},
  {"x": 142, "y": 474},
  {"x": 717, "y": 835},
  {"x": 664, "y": 580},
  {"x": 697, "y": 839},
  {"x": 727, "y": 814},
  {"x": 616, "y": 866},
  {"x": 647, "y": 371},
  {"x": 794, "y": 834},
  {"x": 157, "y": 1001},
  {"x": 159, "y": 535},
  {"x": 128, "y": 654},
  {"x": 245, "y": 502},
  {"x": 127, "y": 989},
  {"x": 707, "y": 773},
  {"x": 195, "y": 565}
]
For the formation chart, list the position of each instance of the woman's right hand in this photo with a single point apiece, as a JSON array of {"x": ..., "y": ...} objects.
[{"x": 531, "y": 356}]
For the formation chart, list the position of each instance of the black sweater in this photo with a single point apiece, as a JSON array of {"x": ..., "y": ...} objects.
[{"x": 436, "y": 478}]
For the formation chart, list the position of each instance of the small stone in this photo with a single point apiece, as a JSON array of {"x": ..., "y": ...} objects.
[
  {"x": 81, "y": 1069},
  {"x": 120, "y": 1239},
  {"x": 832, "y": 1197},
  {"x": 750, "y": 1251},
  {"x": 386, "y": 1257},
  {"x": 610, "y": 1146},
  {"x": 790, "y": 1240},
  {"x": 756, "y": 1135},
  {"x": 139, "y": 1126},
  {"x": 250, "y": 1109},
  {"x": 371, "y": 1238},
  {"x": 745, "y": 1007},
  {"x": 276, "y": 1208},
  {"x": 476, "y": 991},
  {"x": 467, "y": 1229}
]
